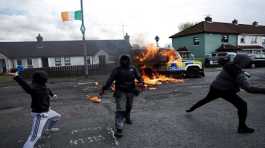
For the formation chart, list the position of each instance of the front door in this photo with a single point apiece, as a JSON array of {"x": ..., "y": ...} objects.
[
  {"x": 2, "y": 66},
  {"x": 102, "y": 59},
  {"x": 45, "y": 62}
]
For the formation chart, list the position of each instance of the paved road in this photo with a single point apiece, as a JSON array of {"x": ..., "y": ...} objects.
[{"x": 158, "y": 115}]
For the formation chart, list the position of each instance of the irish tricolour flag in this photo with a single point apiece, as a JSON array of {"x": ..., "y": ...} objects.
[{"x": 71, "y": 15}]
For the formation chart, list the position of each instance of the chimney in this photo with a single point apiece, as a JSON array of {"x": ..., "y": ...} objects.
[
  {"x": 39, "y": 38},
  {"x": 39, "y": 41},
  {"x": 208, "y": 19},
  {"x": 127, "y": 37},
  {"x": 255, "y": 23},
  {"x": 235, "y": 22}
]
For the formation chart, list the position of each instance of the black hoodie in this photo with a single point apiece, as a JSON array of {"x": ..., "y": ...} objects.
[
  {"x": 124, "y": 76},
  {"x": 232, "y": 77},
  {"x": 38, "y": 91}
]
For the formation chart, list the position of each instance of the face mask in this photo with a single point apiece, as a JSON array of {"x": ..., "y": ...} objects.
[{"x": 125, "y": 63}]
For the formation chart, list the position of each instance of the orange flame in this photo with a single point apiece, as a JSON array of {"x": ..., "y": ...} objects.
[
  {"x": 149, "y": 53},
  {"x": 95, "y": 99},
  {"x": 151, "y": 56}
]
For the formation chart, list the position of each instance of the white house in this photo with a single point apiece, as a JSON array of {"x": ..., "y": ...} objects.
[
  {"x": 251, "y": 39},
  {"x": 39, "y": 54}
]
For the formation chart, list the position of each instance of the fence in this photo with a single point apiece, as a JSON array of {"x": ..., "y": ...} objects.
[{"x": 71, "y": 70}]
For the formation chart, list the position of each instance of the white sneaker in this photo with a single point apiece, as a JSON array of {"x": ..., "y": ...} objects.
[{"x": 54, "y": 129}]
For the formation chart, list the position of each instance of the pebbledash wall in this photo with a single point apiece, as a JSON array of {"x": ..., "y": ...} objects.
[
  {"x": 187, "y": 41},
  {"x": 209, "y": 42},
  {"x": 214, "y": 41}
]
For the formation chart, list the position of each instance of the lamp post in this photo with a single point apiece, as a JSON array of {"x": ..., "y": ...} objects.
[
  {"x": 157, "y": 40},
  {"x": 83, "y": 31}
]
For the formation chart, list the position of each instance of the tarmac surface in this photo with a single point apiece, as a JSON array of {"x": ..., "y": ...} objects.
[{"x": 159, "y": 117}]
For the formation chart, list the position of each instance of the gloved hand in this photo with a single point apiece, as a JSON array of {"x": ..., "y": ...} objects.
[
  {"x": 141, "y": 86},
  {"x": 102, "y": 92},
  {"x": 55, "y": 96},
  {"x": 12, "y": 74}
]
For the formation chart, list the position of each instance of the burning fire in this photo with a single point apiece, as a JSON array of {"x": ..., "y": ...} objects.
[
  {"x": 152, "y": 58},
  {"x": 95, "y": 99}
]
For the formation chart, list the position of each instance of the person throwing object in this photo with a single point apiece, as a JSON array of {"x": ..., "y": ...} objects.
[
  {"x": 227, "y": 84},
  {"x": 42, "y": 114}
]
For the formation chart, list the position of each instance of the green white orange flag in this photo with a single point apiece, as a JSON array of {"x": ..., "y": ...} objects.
[{"x": 71, "y": 15}]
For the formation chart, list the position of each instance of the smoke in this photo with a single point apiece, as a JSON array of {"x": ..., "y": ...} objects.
[{"x": 139, "y": 40}]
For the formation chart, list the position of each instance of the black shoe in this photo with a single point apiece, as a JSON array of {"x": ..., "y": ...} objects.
[
  {"x": 245, "y": 130},
  {"x": 118, "y": 133},
  {"x": 128, "y": 121}
]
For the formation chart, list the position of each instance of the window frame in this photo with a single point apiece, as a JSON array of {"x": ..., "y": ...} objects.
[
  {"x": 263, "y": 43},
  {"x": 225, "y": 38},
  {"x": 67, "y": 61},
  {"x": 88, "y": 60},
  {"x": 242, "y": 40},
  {"x": 58, "y": 61},
  {"x": 196, "y": 41},
  {"x": 29, "y": 62},
  {"x": 254, "y": 40},
  {"x": 19, "y": 61}
]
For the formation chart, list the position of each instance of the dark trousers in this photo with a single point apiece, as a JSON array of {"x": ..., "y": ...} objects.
[
  {"x": 231, "y": 97},
  {"x": 124, "y": 103}
]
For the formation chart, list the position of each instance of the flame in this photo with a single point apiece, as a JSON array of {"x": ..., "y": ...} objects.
[
  {"x": 151, "y": 58},
  {"x": 159, "y": 79},
  {"x": 95, "y": 99},
  {"x": 149, "y": 53}
]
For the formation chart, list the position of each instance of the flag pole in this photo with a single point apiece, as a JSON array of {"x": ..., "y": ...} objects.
[{"x": 83, "y": 31}]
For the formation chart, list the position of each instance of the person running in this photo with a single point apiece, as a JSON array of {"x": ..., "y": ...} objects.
[
  {"x": 40, "y": 105},
  {"x": 227, "y": 84},
  {"x": 125, "y": 90}
]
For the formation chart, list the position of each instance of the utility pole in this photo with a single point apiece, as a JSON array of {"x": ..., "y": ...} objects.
[
  {"x": 157, "y": 40},
  {"x": 83, "y": 31}
]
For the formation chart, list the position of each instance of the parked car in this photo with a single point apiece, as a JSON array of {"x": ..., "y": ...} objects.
[
  {"x": 257, "y": 56},
  {"x": 219, "y": 58}
]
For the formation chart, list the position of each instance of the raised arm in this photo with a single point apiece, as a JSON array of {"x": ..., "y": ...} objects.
[{"x": 23, "y": 84}]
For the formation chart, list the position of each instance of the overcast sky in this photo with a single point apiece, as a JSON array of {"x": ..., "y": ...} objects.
[{"x": 22, "y": 20}]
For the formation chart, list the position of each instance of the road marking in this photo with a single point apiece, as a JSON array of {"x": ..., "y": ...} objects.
[
  {"x": 87, "y": 140},
  {"x": 85, "y": 129},
  {"x": 111, "y": 131}
]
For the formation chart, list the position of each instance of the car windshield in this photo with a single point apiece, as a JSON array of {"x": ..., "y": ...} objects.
[{"x": 186, "y": 55}]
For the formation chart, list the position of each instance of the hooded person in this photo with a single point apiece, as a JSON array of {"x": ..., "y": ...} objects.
[
  {"x": 42, "y": 115},
  {"x": 227, "y": 84},
  {"x": 123, "y": 77}
]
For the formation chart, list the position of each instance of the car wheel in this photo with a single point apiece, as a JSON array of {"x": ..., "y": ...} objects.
[
  {"x": 253, "y": 65},
  {"x": 193, "y": 72}
]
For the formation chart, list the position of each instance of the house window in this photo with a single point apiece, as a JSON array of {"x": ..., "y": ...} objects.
[
  {"x": 102, "y": 59},
  {"x": 67, "y": 61},
  {"x": 58, "y": 61},
  {"x": 196, "y": 41},
  {"x": 88, "y": 60},
  {"x": 29, "y": 61},
  {"x": 225, "y": 38},
  {"x": 19, "y": 62},
  {"x": 242, "y": 40},
  {"x": 254, "y": 40},
  {"x": 263, "y": 43}
]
